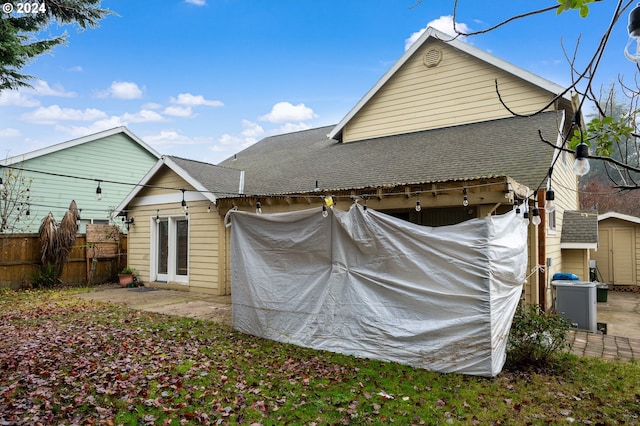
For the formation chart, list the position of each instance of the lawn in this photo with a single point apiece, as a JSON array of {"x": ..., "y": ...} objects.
[{"x": 65, "y": 360}]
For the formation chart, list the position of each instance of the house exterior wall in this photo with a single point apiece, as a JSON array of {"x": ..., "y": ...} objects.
[
  {"x": 576, "y": 261},
  {"x": 618, "y": 257},
  {"x": 565, "y": 186},
  {"x": 459, "y": 90},
  {"x": 113, "y": 158},
  {"x": 205, "y": 236}
]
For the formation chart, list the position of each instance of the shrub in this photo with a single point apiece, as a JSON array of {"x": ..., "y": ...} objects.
[
  {"x": 48, "y": 277},
  {"x": 536, "y": 338}
]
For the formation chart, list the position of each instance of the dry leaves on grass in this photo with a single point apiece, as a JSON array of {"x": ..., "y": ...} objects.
[{"x": 80, "y": 362}]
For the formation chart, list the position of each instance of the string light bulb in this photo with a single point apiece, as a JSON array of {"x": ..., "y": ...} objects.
[
  {"x": 550, "y": 205},
  {"x": 581, "y": 164},
  {"x": 98, "y": 192},
  {"x": 536, "y": 220},
  {"x": 465, "y": 200},
  {"x": 1, "y": 184},
  {"x": 632, "y": 49},
  {"x": 258, "y": 208},
  {"x": 28, "y": 212},
  {"x": 183, "y": 203}
]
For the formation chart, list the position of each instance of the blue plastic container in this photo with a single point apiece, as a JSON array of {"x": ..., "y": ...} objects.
[{"x": 566, "y": 276}]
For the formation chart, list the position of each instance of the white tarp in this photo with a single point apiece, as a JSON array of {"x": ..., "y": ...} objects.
[{"x": 367, "y": 284}]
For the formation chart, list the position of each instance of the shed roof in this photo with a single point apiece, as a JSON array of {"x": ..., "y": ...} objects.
[
  {"x": 293, "y": 162},
  {"x": 614, "y": 215},
  {"x": 579, "y": 230}
]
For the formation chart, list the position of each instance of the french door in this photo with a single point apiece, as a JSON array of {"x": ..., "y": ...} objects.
[{"x": 171, "y": 249}]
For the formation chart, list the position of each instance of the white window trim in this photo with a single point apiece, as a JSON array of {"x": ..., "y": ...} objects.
[{"x": 153, "y": 244}]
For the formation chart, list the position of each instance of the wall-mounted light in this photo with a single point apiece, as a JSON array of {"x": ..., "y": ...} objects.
[
  {"x": 465, "y": 200},
  {"x": 632, "y": 49},
  {"x": 158, "y": 216},
  {"x": 99, "y": 192},
  {"x": 325, "y": 213},
  {"x": 258, "y": 208}
]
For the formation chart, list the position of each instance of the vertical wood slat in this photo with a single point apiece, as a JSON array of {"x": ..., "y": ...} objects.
[{"x": 20, "y": 261}]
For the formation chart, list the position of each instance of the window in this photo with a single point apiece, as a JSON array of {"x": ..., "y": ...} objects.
[{"x": 170, "y": 249}]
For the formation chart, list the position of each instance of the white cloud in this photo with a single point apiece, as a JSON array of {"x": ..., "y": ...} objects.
[
  {"x": 9, "y": 132},
  {"x": 234, "y": 143},
  {"x": 54, "y": 113},
  {"x": 152, "y": 105},
  {"x": 196, "y": 2},
  {"x": 143, "y": 116},
  {"x": 251, "y": 129},
  {"x": 178, "y": 111},
  {"x": 42, "y": 88},
  {"x": 169, "y": 137},
  {"x": 24, "y": 97},
  {"x": 77, "y": 68},
  {"x": 443, "y": 23},
  {"x": 285, "y": 111},
  {"x": 293, "y": 127},
  {"x": 98, "y": 126},
  {"x": 194, "y": 100},
  {"x": 121, "y": 90},
  {"x": 17, "y": 98}
]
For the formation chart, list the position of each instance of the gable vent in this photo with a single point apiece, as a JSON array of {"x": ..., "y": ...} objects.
[{"x": 432, "y": 58}]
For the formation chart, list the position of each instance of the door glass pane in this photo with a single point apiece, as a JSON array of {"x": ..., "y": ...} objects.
[
  {"x": 163, "y": 246},
  {"x": 182, "y": 244}
]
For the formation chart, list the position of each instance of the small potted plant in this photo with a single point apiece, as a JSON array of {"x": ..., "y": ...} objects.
[{"x": 126, "y": 277}]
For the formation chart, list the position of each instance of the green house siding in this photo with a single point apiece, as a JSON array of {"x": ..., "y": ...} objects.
[{"x": 114, "y": 158}]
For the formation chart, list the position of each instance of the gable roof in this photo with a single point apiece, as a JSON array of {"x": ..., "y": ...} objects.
[
  {"x": 579, "y": 230},
  {"x": 293, "y": 162},
  {"x": 614, "y": 215},
  {"x": 432, "y": 33},
  {"x": 208, "y": 179},
  {"x": 74, "y": 142}
]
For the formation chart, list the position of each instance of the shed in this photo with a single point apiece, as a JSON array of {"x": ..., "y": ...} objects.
[{"x": 618, "y": 253}]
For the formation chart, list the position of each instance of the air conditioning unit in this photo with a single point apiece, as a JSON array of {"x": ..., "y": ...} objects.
[{"x": 577, "y": 302}]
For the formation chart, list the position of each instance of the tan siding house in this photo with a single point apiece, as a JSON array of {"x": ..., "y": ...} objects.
[
  {"x": 432, "y": 131},
  {"x": 177, "y": 239},
  {"x": 618, "y": 254}
]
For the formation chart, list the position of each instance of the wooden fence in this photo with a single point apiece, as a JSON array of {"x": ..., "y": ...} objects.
[{"x": 87, "y": 264}]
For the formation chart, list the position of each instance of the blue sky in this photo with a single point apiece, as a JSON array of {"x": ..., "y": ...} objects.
[{"x": 203, "y": 79}]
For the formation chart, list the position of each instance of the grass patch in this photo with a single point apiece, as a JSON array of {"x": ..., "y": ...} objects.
[{"x": 64, "y": 360}]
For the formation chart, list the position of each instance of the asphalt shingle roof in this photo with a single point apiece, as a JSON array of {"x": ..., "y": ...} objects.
[
  {"x": 293, "y": 162},
  {"x": 221, "y": 181},
  {"x": 579, "y": 227}
]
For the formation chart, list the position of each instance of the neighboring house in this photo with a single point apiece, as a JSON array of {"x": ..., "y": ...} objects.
[
  {"x": 618, "y": 255},
  {"x": 114, "y": 159},
  {"x": 433, "y": 130}
]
